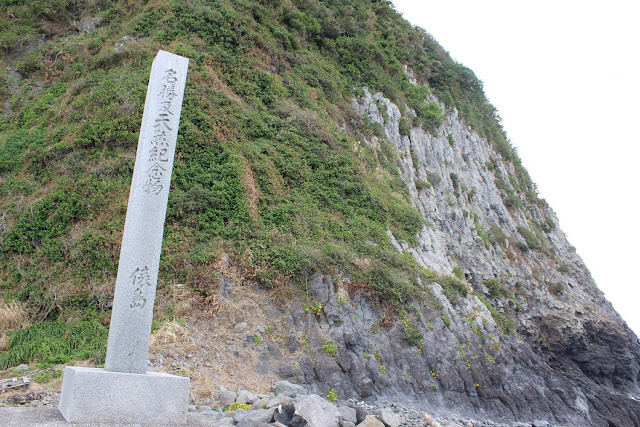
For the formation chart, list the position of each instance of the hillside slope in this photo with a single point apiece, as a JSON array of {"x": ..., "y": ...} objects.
[{"x": 334, "y": 167}]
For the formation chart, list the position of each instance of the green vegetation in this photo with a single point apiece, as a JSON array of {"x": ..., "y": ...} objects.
[
  {"x": 315, "y": 308},
  {"x": 47, "y": 376},
  {"x": 557, "y": 288},
  {"x": 496, "y": 290},
  {"x": 530, "y": 238},
  {"x": 237, "y": 405},
  {"x": 451, "y": 139},
  {"x": 411, "y": 331},
  {"x": 264, "y": 172},
  {"x": 505, "y": 324},
  {"x": 496, "y": 235},
  {"x": 404, "y": 129},
  {"x": 330, "y": 349},
  {"x": 481, "y": 232},
  {"x": 56, "y": 342},
  {"x": 332, "y": 396}
]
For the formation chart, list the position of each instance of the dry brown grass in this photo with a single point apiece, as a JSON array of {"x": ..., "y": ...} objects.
[
  {"x": 253, "y": 194},
  {"x": 208, "y": 350},
  {"x": 169, "y": 333},
  {"x": 13, "y": 316}
]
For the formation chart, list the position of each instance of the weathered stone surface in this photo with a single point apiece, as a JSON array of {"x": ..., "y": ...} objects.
[
  {"x": 259, "y": 416},
  {"x": 226, "y": 398},
  {"x": 128, "y": 344},
  {"x": 453, "y": 176},
  {"x": 284, "y": 413},
  {"x": 316, "y": 411},
  {"x": 96, "y": 395},
  {"x": 388, "y": 418},
  {"x": 292, "y": 344},
  {"x": 288, "y": 389},
  {"x": 348, "y": 414},
  {"x": 245, "y": 396},
  {"x": 260, "y": 403},
  {"x": 241, "y": 328},
  {"x": 371, "y": 421}
]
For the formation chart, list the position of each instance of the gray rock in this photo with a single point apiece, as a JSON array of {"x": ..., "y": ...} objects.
[
  {"x": 251, "y": 423},
  {"x": 226, "y": 398},
  {"x": 226, "y": 286},
  {"x": 260, "y": 403},
  {"x": 361, "y": 414},
  {"x": 388, "y": 418},
  {"x": 241, "y": 328},
  {"x": 284, "y": 414},
  {"x": 292, "y": 344},
  {"x": 289, "y": 389},
  {"x": 211, "y": 414},
  {"x": 245, "y": 396},
  {"x": 348, "y": 414},
  {"x": 259, "y": 416},
  {"x": 316, "y": 411},
  {"x": 371, "y": 421},
  {"x": 344, "y": 423}
]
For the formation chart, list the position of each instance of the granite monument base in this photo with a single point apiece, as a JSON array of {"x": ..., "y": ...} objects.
[{"x": 96, "y": 395}]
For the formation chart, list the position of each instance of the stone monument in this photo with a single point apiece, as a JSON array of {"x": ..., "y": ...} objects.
[{"x": 123, "y": 391}]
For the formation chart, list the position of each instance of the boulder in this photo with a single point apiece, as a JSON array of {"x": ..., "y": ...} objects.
[
  {"x": 259, "y": 417},
  {"x": 284, "y": 413},
  {"x": 388, "y": 418},
  {"x": 245, "y": 396},
  {"x": 348, "y": 414},
  {"x": 361, "y": 414},
  {"x": 241, "y": 327},
  {"x": 371, "y": 421},
  {"x": 226, "y": 398},
  {"x": 316, "y": 411},
  {"x": 289, "y": 389}
]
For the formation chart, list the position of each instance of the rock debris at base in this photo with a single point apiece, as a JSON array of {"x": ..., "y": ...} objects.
[{"x": 292, "y": 406}]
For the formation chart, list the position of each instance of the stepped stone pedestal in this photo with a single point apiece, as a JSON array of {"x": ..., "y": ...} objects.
[{"x": 123, "y": 392}]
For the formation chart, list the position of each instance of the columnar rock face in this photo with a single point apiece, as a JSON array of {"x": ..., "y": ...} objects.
[
  {"x": 556, "y": 300},
  {"x": 535, "y": 339}
]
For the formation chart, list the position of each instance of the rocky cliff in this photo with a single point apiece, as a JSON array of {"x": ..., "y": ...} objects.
[
  {"x": 569, "y": 358},
  {"x": 345, "y": 212},
  {"x": 534, "y": 339}
]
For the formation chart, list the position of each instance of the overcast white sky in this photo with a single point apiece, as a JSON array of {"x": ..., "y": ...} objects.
[{"x": 565, "y": 78}]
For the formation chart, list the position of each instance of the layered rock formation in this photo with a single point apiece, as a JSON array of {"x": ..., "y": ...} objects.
[{"x": 567, "y": 358}]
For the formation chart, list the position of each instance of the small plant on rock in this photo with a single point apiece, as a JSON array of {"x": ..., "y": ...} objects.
[
  {"x": 332, "y": 396},
  {"x": 446, "y": 320},
  {"x": 315, "y": 308},
  {"x": 237, "y": 405},
  {"x": 330, "y": 349}
]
